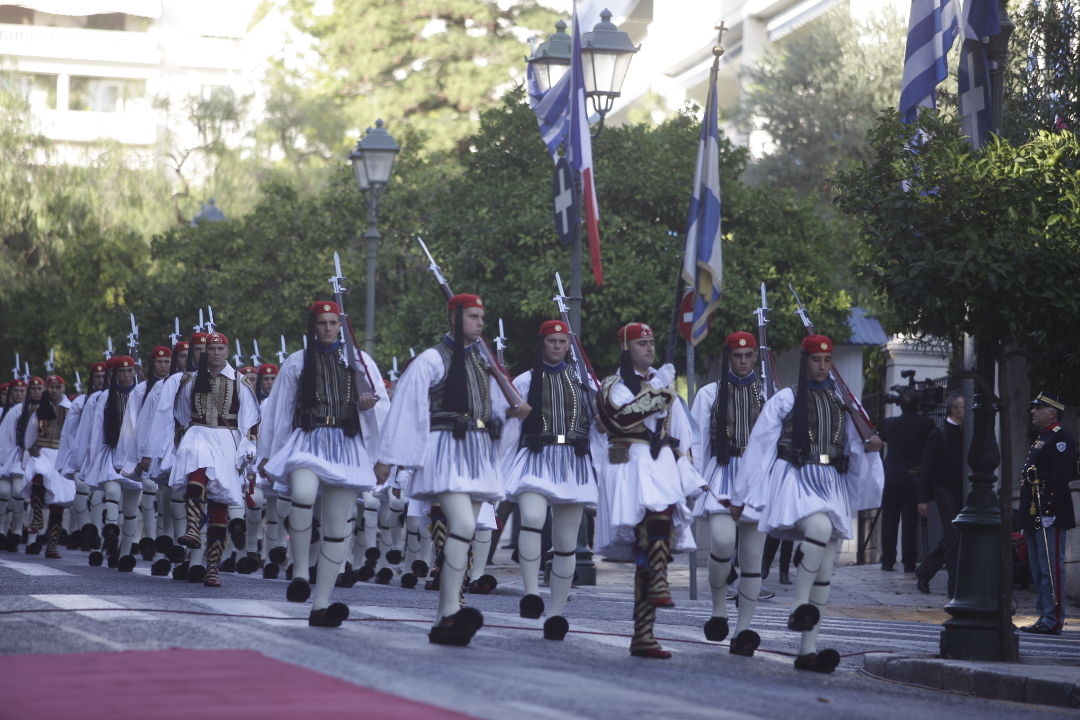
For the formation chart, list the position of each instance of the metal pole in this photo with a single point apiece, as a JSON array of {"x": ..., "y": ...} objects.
[
  {"x": 690, "y": 391},
  {"x": 575, "y": 264},
  {"x": 372, "y": 236}
]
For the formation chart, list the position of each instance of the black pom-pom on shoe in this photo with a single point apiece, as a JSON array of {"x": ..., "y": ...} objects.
[
  {"x": 483, "y": 585},
  {"x": 288, "y": 572},
  {"x": 531, "y": 607},
  {"x": 822, "y": 662},
  {"x": 278, "y": 555},
  {"x": 271, "y": 571},
  {"x": 365, "y": 573},
  {"x": 112, "y": 560},
  {"x": 346, "y": 579},
  {"x": 299, "y": 590},
  {"x": 126, "y": 563},
  {"x": 408, "y": 581},
  {"x": 394, "y": 557},
  {"x": 247, "y": 565},
  {"x": 33, "y": 548},
  {"x": 180, "y": 571},
  {"x": 420, "y": 568},
  {"x": 716, "y": 629},
  {"x": 555, "y": 627},
  {"x": 332, "y": 616},
  {"x": 384, "y": 576},
  {"x": 745, "y": 643},
  {"x": 148, "y": 548},
  {"x": 162, "y": 543},
  {"x": 457, "y": 629},
  {"x": 160, "y": 568},
  {"x": 803, "y": 618},
  {"x": 176, "y": 554},
  {"x": 196, "y": 573},
  {"x": 228, "y": 564},
  {"x": 96, "y": 558}
]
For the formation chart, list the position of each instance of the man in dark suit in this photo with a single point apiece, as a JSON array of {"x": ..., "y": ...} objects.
[
  {"x": 905, "y": 439},
  {"x": 1046, "y": 510},
  {"x": 941, "y": 478}
]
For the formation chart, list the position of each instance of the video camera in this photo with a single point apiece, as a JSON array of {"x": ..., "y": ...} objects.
[{"x": 928, "y": 395}]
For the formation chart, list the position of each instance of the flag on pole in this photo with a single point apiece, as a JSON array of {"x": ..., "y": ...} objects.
[
  {"x": 552, "y": 110},
  {"x": 980, "y": 20},
  {"x": 580, "y": 154},
  {"x": 932, "y": 28},
  {"x": 702, "y": 267}
]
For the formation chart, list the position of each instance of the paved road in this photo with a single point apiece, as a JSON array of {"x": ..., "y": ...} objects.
[{"x": 509, "y": 671}]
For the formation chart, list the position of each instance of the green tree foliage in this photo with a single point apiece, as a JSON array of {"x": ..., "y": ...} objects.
[
  {"x": 819, "y": 93},
  {"x": 1043, "y": 73},
  {"x": 984, "y": 243}
]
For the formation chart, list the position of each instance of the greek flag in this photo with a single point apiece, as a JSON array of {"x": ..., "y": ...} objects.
[
  {"x": 980, "y": 21},
  {"x": 932, "y": 28},
  {"x": 552, "y": 110},
  {"x": 702, "y": 267}
]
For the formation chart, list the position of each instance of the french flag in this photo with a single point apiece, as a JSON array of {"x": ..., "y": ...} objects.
[{"x": 580, "y": 154}]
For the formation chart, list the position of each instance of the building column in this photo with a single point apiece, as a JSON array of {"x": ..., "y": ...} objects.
[{"x": 63, "y": 92}]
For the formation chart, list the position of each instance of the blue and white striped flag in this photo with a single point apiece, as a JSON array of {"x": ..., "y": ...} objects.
[
  {"x": 980, "y": 21},
  {"x": 703, "y": 264},
  {"x": 552, "y": 110},
  {"x": 932, "y": 28}
]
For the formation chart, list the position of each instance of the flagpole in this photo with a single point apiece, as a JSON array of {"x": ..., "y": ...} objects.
[{"x": 690, "y": 391}]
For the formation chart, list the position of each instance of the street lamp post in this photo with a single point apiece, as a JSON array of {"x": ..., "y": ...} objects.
[{"x": 372, "y": 162}]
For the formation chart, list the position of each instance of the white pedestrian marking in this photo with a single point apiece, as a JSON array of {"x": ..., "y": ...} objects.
[
  {"x": 34, "y": 569},
  {"x": 86, "y": 602},
  {"x": 249, "y": 608}
]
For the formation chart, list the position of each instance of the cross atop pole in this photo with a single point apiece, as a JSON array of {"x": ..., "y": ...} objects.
[
  {"x": 718, "y": 49},
  {"x": 723, "y": 29}
]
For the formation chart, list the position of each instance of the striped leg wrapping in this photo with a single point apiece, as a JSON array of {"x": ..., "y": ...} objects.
[
  {"x": 644, "y": 614},
  {"x": 214, "y": 549},
  {"x": 656, "y": 537},
  {"x": 37, "y": 506},
  {"x": 195, "y": 509},
  {"x": 438, "y": 536}
]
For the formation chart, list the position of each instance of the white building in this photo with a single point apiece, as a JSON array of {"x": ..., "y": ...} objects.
[{"x": 122, "y": 70}]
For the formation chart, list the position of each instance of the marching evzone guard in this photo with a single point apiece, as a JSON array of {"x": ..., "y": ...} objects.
[
  {"x": 256, "y": 497},
  {"x": 644, "y": 478},
  {"x": 110, "y": 431},
  {"x": 317, "y": 424},
  {"x": 445, "y": 421},
  {"x": 10, "y": 468},
  {"x": 66, "y": 458},
  {"x": 276, "y": 496},
  {"x": 807, "y": 471},
  {"x": 47, "y": 487},
  {"x": 1046, "y": 510},
  {"x": 548, "y": 462},
  {"x": 726, "y": 411},
  {"x": 12, "y": 439},
  {"x": 218, "y": 414}
]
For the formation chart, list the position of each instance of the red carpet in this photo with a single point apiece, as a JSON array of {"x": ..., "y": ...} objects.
[{"x": 187, "y": 685}]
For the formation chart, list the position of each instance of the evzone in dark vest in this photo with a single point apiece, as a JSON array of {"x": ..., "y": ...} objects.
[
  {"x": 22, "y": 399},
  {"x": 218, "y": 414},
  {"x": 444, "y": 423},
  {"x": 72, "y": 451},
  {"x": 644, "y": 478},
  {"x": 317, "y": 425},
  {"x": 816, "y": 472},
  {"x": 108, "y": 433},
  {"x": 548, "y": 462},
  {"x": 149, "y": 449},
  {"x": 47, "y": 487},
  {"x": 725, "y": 412}
]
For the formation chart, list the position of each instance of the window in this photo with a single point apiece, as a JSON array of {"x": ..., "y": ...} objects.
[
  {"x": 39, "y": 90},
  {"x": 107, "y": 94}
]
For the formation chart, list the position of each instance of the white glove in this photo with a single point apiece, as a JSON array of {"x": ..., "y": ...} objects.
[
  {"x": 1047, "y": 521},
  {"x": 245, "y": 453},
  {"x": 663, "y": 377}
]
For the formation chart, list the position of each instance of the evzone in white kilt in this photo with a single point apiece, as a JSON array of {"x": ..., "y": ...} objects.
[{"x": 58, "y": 489}]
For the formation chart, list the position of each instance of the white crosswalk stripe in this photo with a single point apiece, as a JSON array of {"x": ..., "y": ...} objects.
[
  {"x": 86, "y": 602},
  {"x": 34, "y": 569}
]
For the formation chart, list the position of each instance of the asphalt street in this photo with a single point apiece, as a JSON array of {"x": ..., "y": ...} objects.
[{"x": 509, "y": 670}]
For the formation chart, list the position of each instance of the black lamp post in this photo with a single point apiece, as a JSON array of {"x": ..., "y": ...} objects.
[
  {"x": 606, "y": 53},
  {"x": 373, "y": 162},
  {"x": 551, "y": 59}
]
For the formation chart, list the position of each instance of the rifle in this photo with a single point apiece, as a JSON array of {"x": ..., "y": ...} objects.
[
  {"x": 394, "y": 375},
  {"x": 78, "y": 383},
  {"x": 581, "y": 362},
  {"x": 133, "y": 347},
  {"x": 238, "y": 359},
  {"x": 174, "y": 336},
  {"x": 211, "y": 326},
  {"x": 50, "y": 363},
  {"x": 364, "y": 384},
  {"x": 201, "y": 327},
  {"x": 256, "y": 359},
  {"x": 109, "y": 350},
  {"x": 283, "y": 352},
  {"x": 500, "y": 346},
  {"x": 1031, "y": 477},
  {"x": 493, "y": 366},
  {"x": 863, "y": 426},
  {"x": 18, "y": 367},
  {"x": 769, "y": 384}
]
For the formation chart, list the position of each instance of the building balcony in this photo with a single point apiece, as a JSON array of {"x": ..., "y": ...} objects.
[
  {"x": 79, "y": 44},
  {"x": 86, "y": 126}
]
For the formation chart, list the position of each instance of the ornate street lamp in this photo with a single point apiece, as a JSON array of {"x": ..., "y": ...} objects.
[
  {"x": 606, "y": 53},
  {"x": 372, "y": 163},
  {"x": 551, "y": 59}
]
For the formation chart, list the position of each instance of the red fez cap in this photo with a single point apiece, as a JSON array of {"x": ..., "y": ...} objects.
[
  {"x": 4, "y": 387},
  {"x": 161, "y": 351},
  {"x": 18, "y": 382},
  {"x": 121, "y": 361},
  {"x": 181, "y": 346},
  {"x": 216, "y": 339},
  {"x": 324, "y": 306},
  {"x": 55, "y": 380},
  {"x": 386, "y": 383},
  {"x": 198, "y": 338},
  {"x": 268, "y": 369},
  {"x": 36, "y": 381},
  {"x": 739, "y": 340},
  {"x": 464, "y": 302},
  {"x": 554, "y": 326},
  {"x": 247, "y": 369},
  {"x": 98, "y": 367},
  {"x": 816, "y": 344},
  {"x": 634, "y": 331}
]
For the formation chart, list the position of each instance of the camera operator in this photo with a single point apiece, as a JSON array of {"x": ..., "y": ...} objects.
[{"x": 905, "y": 439}]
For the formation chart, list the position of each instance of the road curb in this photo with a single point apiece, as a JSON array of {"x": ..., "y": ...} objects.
[{"x": 1039, "y": 681}]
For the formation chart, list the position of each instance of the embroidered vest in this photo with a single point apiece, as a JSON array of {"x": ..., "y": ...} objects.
[
  {"x": 335, "y": 396},
  {"x": 219, "y": 408},
  {"x": 562, "y": 412},
  {"x": 479, "y": 391},
  {"x": 828, "y": 436},
  {"x": 744, "y": 406},
  {"x": 49, "y": 430}
]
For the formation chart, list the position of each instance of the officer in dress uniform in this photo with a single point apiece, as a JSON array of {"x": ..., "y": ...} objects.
[{"x": 1046, "y": 510}]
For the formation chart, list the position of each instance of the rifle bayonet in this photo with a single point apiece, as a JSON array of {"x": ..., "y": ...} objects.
[{"x": 256, "y": 359}]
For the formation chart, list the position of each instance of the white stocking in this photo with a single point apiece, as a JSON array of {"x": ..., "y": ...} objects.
[
  {"x": 131, "y": 500},
  {"x": 387, "y": 521},
  {"x": 722, "y": 529},
  {"x": 112, "y": 495},
  {"x": 396, "y": 505},
  {"x": 751, "y": 547},
  {"x": 253, "y": 517},
  {"x": 148, "y": 506},
  {"x": 97, "y": 499},
  {"x": 178, "y": 512},
  {"x": 5, "y": 502},
  {"x": 336, "y": 505},
  {"x": 164, "y": 500},
  {"x": 565, "y": 523},
  {"x": 819, "y": 596},
  {"x": 461, "y": 511},
  {"x": 81, "y": 504},
  {"x": 818, "y": 552},
  {"x": 481, "y": 546},
  {"x": 271, "y": 524},
  {"x": 533, "y": 508},
  {"x": 283, "y": 507},
  {"x": 371, "y": 520},
  {"x": 359, "y": 546},
  {"x": 305, "y": 488}
]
